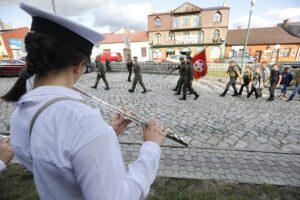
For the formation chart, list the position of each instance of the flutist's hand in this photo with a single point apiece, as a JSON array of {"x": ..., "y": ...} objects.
[
  {"x": 155, "y": 132},
  {"x": 119, "y": 123},
  {"x": 6, "y": 152}
]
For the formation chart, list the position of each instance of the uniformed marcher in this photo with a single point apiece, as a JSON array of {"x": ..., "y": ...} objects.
[
  {"x": 129, "y": 67},
  {"x": 233, "y": 72},
  {"x": 188, "y": 79},
  {"x": 137, "y": 76},
  {"x": 181, "y": 68},
  {"x": 71, "y": 151},
  {"x": 107, "y": 64},
  {"x": 100, "y": 69}
]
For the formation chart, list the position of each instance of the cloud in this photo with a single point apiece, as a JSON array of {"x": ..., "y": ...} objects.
[
  {"x": 268, "y": 19},
  {"x": 132, "y": 16}
]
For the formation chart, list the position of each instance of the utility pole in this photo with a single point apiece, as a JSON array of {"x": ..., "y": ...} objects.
[
  {"x": 53, "y": 6},
  {"x": 247, "y": 35}
]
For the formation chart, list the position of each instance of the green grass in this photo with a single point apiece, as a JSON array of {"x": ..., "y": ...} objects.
[
  {"x": 217, "y": 73},
  {"x": 17, "y": 183}
]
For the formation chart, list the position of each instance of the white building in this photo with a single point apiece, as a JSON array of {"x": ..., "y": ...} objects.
[{"x": 117, "y": 42}]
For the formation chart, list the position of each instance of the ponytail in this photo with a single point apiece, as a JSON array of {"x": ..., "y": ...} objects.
[{"x": 15, "y": 93}]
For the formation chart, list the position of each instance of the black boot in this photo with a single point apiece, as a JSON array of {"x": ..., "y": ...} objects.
[
  {"x": 235, "y": 94},
  {"x": 182, "y": 98},
  {"x": 271, "y": 98},
  {"x": 107, "y": 88},
  {"x": 131, "y": 90},
  {"x": 224, "y": 93},
  {"x": 175, "y": 89},
  {"x": 177, "y": 93},
  {"x": 196, "y": 96},
  {"x": 95, "y": 87},
  {"x": 290, "y": 98},
  {"x": 144, "y": 91}
]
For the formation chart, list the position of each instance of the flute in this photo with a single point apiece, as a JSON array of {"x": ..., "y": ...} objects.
[{"x": 133, "y": 117}]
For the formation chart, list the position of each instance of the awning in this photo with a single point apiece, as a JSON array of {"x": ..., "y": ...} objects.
[{"x": 185, "y": 50}]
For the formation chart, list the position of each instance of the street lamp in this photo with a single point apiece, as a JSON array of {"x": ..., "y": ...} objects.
[
  {"x": 246, "y": 40},
  {"x": 53, "y": 6}
]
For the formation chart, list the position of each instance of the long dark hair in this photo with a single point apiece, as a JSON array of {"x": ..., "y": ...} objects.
[{"x": 45, "y": 53}]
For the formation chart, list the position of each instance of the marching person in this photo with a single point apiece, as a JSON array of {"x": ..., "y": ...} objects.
[
  {"x": 296, "y": 83},
  {"x": 275, "y": 79},
  {"x": 107, "y": 64},
  {"x": 181, "y": 68},
  {"x": 256, "y": 84},
  {"x": 247, "y": 78},
  {"x": 188, "y": 79},
  {"x": 287, "y": 78},
  {"x": 71, "y": 151},
  {"x": 233, "y": 72},
  {"x": 6, "y": 153},
  {"x": 137, "y": 76},
  {"x": 129, "y": 67},
  {"x": 100, "y": 74}
]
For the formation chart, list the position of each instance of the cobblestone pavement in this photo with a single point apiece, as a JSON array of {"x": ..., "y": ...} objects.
[{"x": 237, "y": 139}]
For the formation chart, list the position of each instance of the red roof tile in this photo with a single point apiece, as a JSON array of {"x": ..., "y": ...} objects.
[{"x": 119, "y": 38}]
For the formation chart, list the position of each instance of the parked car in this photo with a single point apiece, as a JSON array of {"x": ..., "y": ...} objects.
[
  {"x": 111, "y": 56},
  {"x": 11, "y": 67},
  {"x": 238, "y": 59},
  {"x": 175, "y": 58}
]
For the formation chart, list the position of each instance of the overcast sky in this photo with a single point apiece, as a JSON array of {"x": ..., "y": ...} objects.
[{"x": 110, "y": 15}]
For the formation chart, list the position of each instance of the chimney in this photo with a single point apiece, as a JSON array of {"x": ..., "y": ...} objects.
[
  {"x": 285, "y": 22},
  {"x": 225, "y": 3},
  {"x": 239, "y": 27}
]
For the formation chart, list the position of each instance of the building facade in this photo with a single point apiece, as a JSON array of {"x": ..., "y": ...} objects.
[
  {"x": 136, "y": 42},
  {"x": 12, "y": 43},
  {"x": 270, "y": 44},
  {"x": 187, "y": 30}
]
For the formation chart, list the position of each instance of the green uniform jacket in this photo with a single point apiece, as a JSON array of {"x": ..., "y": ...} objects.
[
  {"x": 189, "y": 72},
  {"x": 137, "y": 70},
  {"x": 232, "y": 71},
  {"x": 100, "y": 68}
]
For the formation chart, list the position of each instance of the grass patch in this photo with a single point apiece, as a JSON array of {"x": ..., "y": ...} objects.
[
  {"x": 17, "y": 183},
  {"x": 217, "y": 73}
]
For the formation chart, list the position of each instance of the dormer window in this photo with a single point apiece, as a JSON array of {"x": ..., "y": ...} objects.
[
  {"x": 217, "y": 17},
  {"x": 157, "y": 22}
]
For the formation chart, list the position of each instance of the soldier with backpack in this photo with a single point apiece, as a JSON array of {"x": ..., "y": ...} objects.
[{"x": 233, "y": 72}]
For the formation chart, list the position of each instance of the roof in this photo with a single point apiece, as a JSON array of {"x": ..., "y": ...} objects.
[
  {"x": 216, "y": 8},
  {"x": 119, "y": 38},
  {"x": 269, "y": 35},
  {"x": 14, "y": 29}
]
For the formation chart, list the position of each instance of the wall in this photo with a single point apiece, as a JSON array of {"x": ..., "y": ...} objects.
[
  {"x": 135, "y": 49},
  {"x": 3, "y": 52},
  {"x": 165, "y": 22},
  {"x": 207, "y": 18}
]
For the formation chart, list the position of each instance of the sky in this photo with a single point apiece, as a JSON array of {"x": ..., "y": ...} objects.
[{"x": 111, "y": 15}]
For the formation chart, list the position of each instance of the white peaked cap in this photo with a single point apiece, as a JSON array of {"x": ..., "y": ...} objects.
[{"x": 72, "y": 33}]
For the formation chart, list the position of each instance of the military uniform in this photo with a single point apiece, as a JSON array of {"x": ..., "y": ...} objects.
[
  {"x": 246, "y": 79},
  {"x": 232, "y": 72},
  {"x": 137, "y": 77},
  {"x": 187, "y": 79},
  {"x": 180, "y": 81},
  {"x": 100, "y": 68},
  {"x": 129, "y": 68},
  {"x": 256, "y": 85}
]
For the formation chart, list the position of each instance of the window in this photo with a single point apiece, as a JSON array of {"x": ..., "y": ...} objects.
[
  {"x": 144, "y": 51},
  {"x": 215, "y": 52},
  {"x": 186, "y": 20},
  {"x": 186, "y": 33},
  {"x": 171, "y": 36},
  {"x": 201, "y": 36},
  {"x": 158, "y": 38},
  {"x": 196, "y": 21},
  {"x": 286, "y": 52},
  {"x": 216, "y": 35},
  {"x": 217, "y": 17},
  {"x": 176, "y": 22},
  {"x": 157, "y": 22}
]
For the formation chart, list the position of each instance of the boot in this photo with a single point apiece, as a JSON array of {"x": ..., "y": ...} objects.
[
  {"x": 144, "y": 91},
  {"x": 290, "y": 98},
  {"x": 182, "y": 98},
  {"x": 95, "y": 87},
  {"x": 175, "y": 89},
  {"x": 271, "y": 98},
  {"x": 196, "y": 96},
  {"x": 131, "y": 90},
  {"x": 235, "y": 94},
  {"x": 177, "y": 93},
  {"x": 107, "y": 88},
  {"x": 224, "y": 93}
]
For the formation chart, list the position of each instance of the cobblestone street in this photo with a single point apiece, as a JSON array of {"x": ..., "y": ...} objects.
[{"x": 235, "y": 139}]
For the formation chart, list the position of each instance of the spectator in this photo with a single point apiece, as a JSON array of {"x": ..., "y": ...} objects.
[
  {"x": 287, "y": 78},
  {"x": 107, "y": 64}
]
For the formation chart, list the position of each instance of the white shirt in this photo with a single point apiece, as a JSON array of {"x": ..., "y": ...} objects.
[
  {"x": 2, "y": 166},
  {"x": 73, "y": 153}
]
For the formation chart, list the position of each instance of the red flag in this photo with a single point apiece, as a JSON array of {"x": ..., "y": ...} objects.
[{"x": 200, "y": 65}]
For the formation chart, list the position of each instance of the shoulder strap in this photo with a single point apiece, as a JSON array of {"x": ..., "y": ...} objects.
[{"x": 46, "y": 105}]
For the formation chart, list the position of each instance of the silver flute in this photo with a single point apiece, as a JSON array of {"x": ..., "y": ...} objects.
[{"x": 132, "y": 117}]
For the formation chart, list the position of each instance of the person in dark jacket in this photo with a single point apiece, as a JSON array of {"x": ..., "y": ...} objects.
[
  {"x": 275, "y": 79},
  {"x": 129, "y": 67},
  {"x": 107, "y": 64},
  {"x": 247, "y": 78},
  {"x": 287, "y": 78}
]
